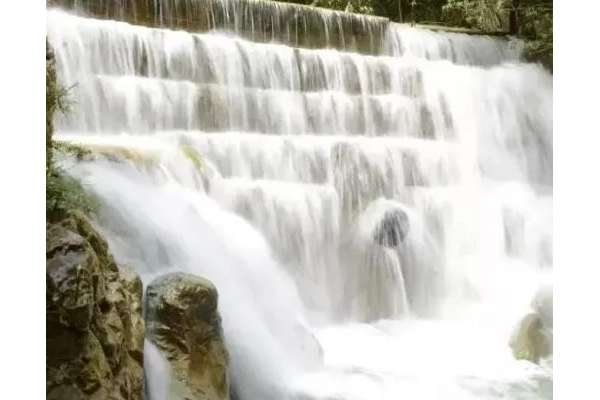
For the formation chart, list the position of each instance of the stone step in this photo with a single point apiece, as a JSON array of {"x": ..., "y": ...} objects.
[
  {"x": 144, "y": 105},
  {"x": 92, "y": 46},
  {"x": 257, "y": 20},
  {"x": 375, "y": 166},
  {"x": 455, "y": 46}
]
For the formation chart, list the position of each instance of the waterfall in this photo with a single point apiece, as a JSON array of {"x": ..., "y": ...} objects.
[
  {"x": 257, "y": 20},
  {"x": 373, "y": 201}
]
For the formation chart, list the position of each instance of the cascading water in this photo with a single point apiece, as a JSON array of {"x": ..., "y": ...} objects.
[
  {"x": 269, "y": 169},
  {"x": 257, "y": 20}
]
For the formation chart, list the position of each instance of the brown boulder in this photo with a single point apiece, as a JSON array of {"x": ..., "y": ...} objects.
[
  {"x": 94, "y": 324},
  {"x": 183, "y": 322}
]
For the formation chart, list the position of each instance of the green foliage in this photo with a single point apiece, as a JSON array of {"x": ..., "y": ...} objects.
[
  {"x": 361, "y": 7},
  {"x": 533, "y": 19},
  {"x": 63, "y": 193},
  {"x": 74, "y": 150},
  {"x": 537, "y": 29},
  {"x": 57, "y": 98},
  {"x": 355, "y": 6},
  {"x": 425, "y": 11},
  {"x": 485, "y": 15},
  {"x": 455, "y": 13}
]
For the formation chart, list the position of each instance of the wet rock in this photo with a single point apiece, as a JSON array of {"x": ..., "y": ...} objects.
[
  {"x": 531, "y": 340},
  {"x": 533, "y": 336},
  {"x": 184, "y": 324},
  {"x": 136, "y": 324},
  {"x": 392, "y": 229},
  {"x": 92, "y": 321}
]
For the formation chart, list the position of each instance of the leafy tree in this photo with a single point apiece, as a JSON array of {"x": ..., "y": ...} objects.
[
  {"x": 485, "y": 15},
  {"x": 528, "y": 19},
  {"x": 536, "y": 26}
]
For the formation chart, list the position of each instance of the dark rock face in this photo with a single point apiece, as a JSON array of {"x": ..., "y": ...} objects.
[
  {"x": 183, "y": 322},
  {"x": 392, "y": 229},
  {"x": 94, "y": 324}
]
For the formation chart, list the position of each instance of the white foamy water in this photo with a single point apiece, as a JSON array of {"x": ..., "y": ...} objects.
[{"x": 268, "y": 169}]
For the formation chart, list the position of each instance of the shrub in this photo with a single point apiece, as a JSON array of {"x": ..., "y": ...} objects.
[{"x": 63, "y": 193}]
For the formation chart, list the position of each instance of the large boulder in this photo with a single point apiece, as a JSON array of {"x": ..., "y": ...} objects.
[
  {"x": 183, "y": 323},
  {"x": 94, "y": 324}
]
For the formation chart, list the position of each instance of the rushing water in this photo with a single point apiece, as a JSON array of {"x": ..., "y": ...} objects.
[
  {"x": 268, "y": 169},
  {"x": 258, "y": 20}
]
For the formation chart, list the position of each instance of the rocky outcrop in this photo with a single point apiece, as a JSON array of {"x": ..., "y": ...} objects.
[
  {"x": 183, "y": 323},
  {"x": 532, "y": 339},
  {"x": 94, "y": 323}
]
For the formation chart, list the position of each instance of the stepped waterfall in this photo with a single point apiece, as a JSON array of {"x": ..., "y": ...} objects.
[{"x": 372, "y": 200}]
